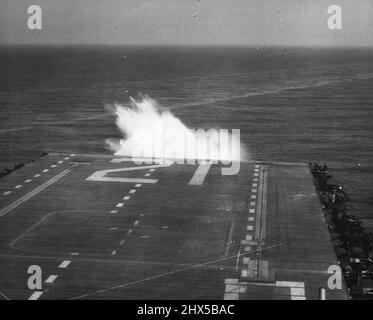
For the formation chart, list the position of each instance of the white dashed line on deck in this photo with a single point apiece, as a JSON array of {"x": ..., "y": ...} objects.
[
  {"x": 249, "y": 237},
  {"x": 114, "y": 211},
  {"x": 45, "y": 170},
  {"x": 18, "y": 186},
  {"x": 67, "y": 158},
  {"x": 249, "y": 228},
  {"x": 114, "y": 252},
  {"x": 132, "y": 191},
  {"x": 36, "y": 175},
  {"x": 51, "y": 279},
  {"x": 151, "y": 170},
  {"x": 113, "y": 228},
  {"x": 136, "y": 222},
  {"x": 147, "y": 174},
  {"x": 122, "y": 242},
  {"x": 74, "y": 253},
  {"x": 28, "y": 180},
  {"x": 250, "y": 219},
  {"x": 60, "y": 162},
  {"x": 255, "y": 184},
  {"x": 126, "y": 198},
  {"x": 254, "y": 190},
  {"x": 252, "y": 203},
  {"x": 253, "y": 196},
  {"x": 7, "y": 192},
  {"x": 120, "y": 205},
  {"x": 64, "y": 264},
  {"x": 53, "y": 166},
  {"x": 251, "y": 210},
  {"x": 36, "y": 295},
  {"x": 138, "y": 185}
]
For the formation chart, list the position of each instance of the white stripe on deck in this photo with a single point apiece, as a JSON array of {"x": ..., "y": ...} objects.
[
  {"x": 138, "y": 185},
  {"x": 114, "y": 211},
  {"x": 36, "y": 295},
  {"x": 60, "y": 162},
  {"x": 51, "y": 278},
  {"x": 36, "y": 175},
  {"x": 126, "y": 198},
  {"x": 200, "y": 174},
  {"x": 132, "y": 191},
  {"x": 64, "y": 264},
  {"x": 120, "y": 205},
  {"x": 33, "y": 192},
  {"x": 251, "y": 219},
  {"x": 251, "y": 210},
  {"x": 18, "y": 186},
  {"x": 249, "y": 228},
  {"x": 28, "y": 180},
  {"x": 45, "y": 170},
  {"x": 7, "y": 192}
]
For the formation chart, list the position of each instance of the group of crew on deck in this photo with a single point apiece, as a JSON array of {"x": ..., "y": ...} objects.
[{"x": 353, "y": 244}]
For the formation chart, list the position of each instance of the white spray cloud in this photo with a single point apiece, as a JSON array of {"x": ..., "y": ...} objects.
[{"x": 152, "y": 132}]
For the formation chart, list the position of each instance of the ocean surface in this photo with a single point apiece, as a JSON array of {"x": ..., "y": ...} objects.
[{"x": 291, "y": 104}]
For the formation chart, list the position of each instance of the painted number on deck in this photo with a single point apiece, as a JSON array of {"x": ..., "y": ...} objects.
[{"x": 102, "y": 174}]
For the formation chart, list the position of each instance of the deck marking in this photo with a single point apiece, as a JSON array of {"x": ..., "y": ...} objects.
[
  {"x": 138, "y": 185},
  {"x": 34, "y": 192},
  {"x": 249, "y": 237},
  {"x": 251, "y": 210},
  {"x": 64, "y": 264},
  {"x": 28, "y": 180},
  {"x": 165, "y": 227},
  {"x": 36, "y": 295},
  {"x": 132, "y": 191},
  {"x": 114, "y": 252},
  {"x": 255, "y": 184},
  {"x": 253, "y": 196},
  {"x": 250, "y": 219},
  {"x": 92, "y": 293},
  {"x": 151, "y": 170},
  {"x": 60, "y": 162},
  {"x": 290, "y": 284},
  {"x": 4, "y": 296},
  {"x": 145, "y": 237},
  {"x": 122, "y": 242},
  {"x": 126, "y": 197},
  {"x": 7, "y": 192},
  {"x": 113, "y": 228},
  {"x": 200, "y": 174},
  {"x": 36, "y": 175},
  {"x": 120, "y": 205},
  {"x": 147, "y": 174},
  {"x": 51, "y": 278},
  {"x": 249, "y": 228},
  {"x": 253, "y": 203},
  {"x": 114, "y": 211},
  {"x": 53, "y": 166},
  {"x": 45, "y": 170},
  {"x": 136, "y": 222},
  {"x": 101, "y": 174},
  {"x": 254, "y": 190},
  {"x": 74, "y": 253},
  {"x": 18, "y": 186},
  {"x": 67, "y": 158}
]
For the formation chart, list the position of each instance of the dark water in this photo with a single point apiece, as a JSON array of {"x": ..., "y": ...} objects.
[{"x": 291, "y": 104}]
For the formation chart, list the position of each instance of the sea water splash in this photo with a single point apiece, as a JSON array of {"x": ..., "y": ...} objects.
[{"x": 151, "y": 131}]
